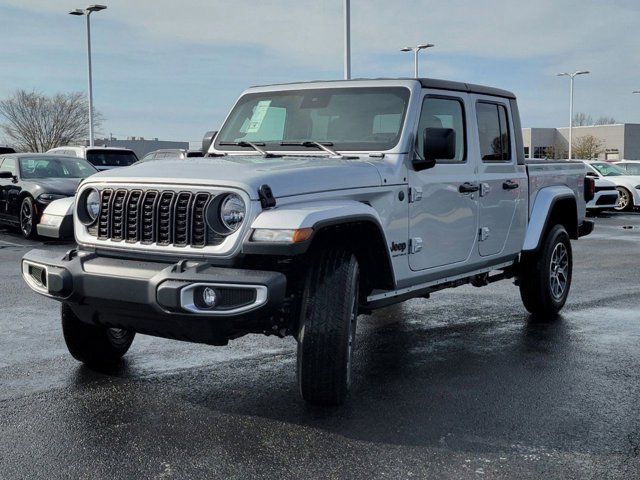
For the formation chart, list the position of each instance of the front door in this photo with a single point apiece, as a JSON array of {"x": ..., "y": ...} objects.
[
  {"x": 443, "y": 208},
  {"x": 502, "y": 181}
]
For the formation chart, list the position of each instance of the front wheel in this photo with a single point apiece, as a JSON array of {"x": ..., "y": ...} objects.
[
  {"x": 545, "y": 276},
  {"x": 625, "y": 200},
  {"x": 328, "y": 315},
  {"x": 93, "y": 345},
  {"x": 28, "y": 218}
]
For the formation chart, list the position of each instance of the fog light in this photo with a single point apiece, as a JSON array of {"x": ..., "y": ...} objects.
[{"x": 209, "y": 297}]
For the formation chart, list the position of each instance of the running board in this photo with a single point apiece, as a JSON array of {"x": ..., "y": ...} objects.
[{"x": 478, "y": 278}]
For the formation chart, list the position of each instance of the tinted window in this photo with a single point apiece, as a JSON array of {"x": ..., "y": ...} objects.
[
  {"x": 443, "y": 113},
  {"x": 493, "y": 131},
  {"x": 349, "y": 118},
  {"x": 51, "y": 167},
  {"x": 9, "y": 165},
  {"x": 4, "y": 150},
  {"x": 111, "y": 158}
]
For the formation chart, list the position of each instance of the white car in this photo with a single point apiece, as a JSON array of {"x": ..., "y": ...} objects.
[
  {"x": 103, "y": 158},
  {"x": 605, "y": 197},
  {"x": 57, "y": 219},
  {"x": 631, "y": 167},
  {"x": 628, "y": 185}
]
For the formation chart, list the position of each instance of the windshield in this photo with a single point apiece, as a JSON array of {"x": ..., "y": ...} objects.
[
  {"x": 55, "y": 167},
  {"x": 608, "y": 170},
  {"x": 357, "y": 119},
  {"x": 111, "y": 158},
  {"x": 632, "y": 168}
]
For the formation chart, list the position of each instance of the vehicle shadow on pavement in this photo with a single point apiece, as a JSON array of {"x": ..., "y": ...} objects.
[{"x": 477, "y": 385}]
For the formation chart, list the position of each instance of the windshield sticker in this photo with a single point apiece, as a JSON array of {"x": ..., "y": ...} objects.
[{"x": 258, "y": 116}]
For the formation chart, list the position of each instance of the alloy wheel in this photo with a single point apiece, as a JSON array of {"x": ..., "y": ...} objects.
[{"x": 558, "y": 271}]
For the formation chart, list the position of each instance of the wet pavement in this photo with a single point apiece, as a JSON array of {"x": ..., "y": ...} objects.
[{"x": 464, "y": 385}]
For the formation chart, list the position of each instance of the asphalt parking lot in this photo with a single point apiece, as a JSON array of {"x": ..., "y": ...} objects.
[{"x": 464, "y": 385}]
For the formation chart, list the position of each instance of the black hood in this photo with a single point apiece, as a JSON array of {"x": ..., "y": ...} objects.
[{"x": 59, "y": 186}]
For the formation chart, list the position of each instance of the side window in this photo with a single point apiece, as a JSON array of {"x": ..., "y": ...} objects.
[
  {"x": 493, "y": 132},
  {"x": 9, "y": 164},
  {"x": 438, "y": 112}
]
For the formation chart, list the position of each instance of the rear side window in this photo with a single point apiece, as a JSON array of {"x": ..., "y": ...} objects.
[
  {"x": 439, "y": 112},
  {"x": 493, "y": 132},
  {"x": 111, "y": 158}
]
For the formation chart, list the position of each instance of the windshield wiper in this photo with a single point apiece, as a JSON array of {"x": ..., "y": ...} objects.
[
  {"x": 255, "y": 146},
  {"x": 321, "y": 145}
]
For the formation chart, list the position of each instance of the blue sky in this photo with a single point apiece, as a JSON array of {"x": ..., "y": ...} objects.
[{"x": 172, "y": 69}]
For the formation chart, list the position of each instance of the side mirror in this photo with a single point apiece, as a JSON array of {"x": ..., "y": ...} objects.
[
  {"x": 438, "y": 144},
  {"x": 6, "y": 174},
  {"x": 208, "y": 139},
  {"x": 592, "y": 174}
]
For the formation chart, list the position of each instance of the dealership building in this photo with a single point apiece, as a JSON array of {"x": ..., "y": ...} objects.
[{"x": 619, "y": 141}]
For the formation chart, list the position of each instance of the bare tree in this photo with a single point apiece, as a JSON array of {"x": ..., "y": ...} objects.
[
  {"x": 605, "y": 121},
  {"x": 587, "y": 147},
  {"x": 582, "y": 119},
  {"x": 37, "y": 123}
]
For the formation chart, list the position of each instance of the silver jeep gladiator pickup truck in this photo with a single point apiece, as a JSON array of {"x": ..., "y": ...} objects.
[{"x": 316, "y": 202}]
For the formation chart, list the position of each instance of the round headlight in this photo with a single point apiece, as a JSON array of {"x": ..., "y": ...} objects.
[
  {"x": 232, "y": 212},
  {"x": 92, "y": 204},
  {"x": 88, "y": 206}
]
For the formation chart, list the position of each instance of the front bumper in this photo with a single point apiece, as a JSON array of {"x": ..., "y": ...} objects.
[
  {"x": 157, "y": 298},
  {"x": 56, "y": 226},
  {"x": 603, "y": 199}
]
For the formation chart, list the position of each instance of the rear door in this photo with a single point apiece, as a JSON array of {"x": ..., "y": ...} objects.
[
  {"x": 502, "y": 181},
  {"x": 443, "y": 204}
]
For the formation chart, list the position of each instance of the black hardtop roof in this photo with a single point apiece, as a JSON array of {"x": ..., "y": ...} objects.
[{"x": 433, "y": 83}]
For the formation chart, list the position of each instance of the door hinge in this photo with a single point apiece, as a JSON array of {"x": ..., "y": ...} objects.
[
  {"x": 483, "y": 234},
  {"x": 415, "y": 245},
  {"x": 485, "y": 188},
  {"x": 415, "y": 194}
]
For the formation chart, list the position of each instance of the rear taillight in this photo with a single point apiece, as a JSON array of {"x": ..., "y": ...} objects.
[{"x": 589, "y": 188}]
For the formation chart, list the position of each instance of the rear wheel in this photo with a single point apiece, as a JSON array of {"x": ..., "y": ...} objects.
[
  {"x": 327, "y": 331},
  {"x": 545, "y": 276},
  {"x": 28, "y": 218},
  {"x": 94, "y": 345},
  {"x": 625, "y": 200}
]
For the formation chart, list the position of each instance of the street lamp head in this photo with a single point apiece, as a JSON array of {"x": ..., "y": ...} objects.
[
  {"x": 426, "y": 45},
  {"x": 78, "y": 12},
  {"x": 96, "y": 8},
  {"x": 563, "y": 74},
  {"x": 636, "y": 91},
  {"x": 582, "y": 72},
  {"x": 406, "y": 49}
]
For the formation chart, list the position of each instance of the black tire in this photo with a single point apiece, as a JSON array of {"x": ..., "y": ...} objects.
[
  {"x": 328, "y": 315},
  {"x": 544, "y": 286},
  {"x": 625, "y": 201},
  {"x": 95, "y": 346},
  {"x": 28, "y": 218}
]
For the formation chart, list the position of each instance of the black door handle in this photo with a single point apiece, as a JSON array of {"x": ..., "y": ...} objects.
[
  {"x": 468, "y": 187},
  {"x": 510, "y": 185}
]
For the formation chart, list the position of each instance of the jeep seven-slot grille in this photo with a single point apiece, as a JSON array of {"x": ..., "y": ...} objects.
[{"x": 161, "y": 217}]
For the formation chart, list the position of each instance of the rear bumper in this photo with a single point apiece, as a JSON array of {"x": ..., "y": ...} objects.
[
  {"x": 586, "y": 228},
  {"x": 156, "y": 298}
]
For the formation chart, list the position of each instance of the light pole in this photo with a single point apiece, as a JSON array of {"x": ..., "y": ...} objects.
[
  {"x": 347, "y": 40},
  {"x": 87, "y": 13},
  {"x": 571, "y": 76},
  {"x": 415, "y": 51}
]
